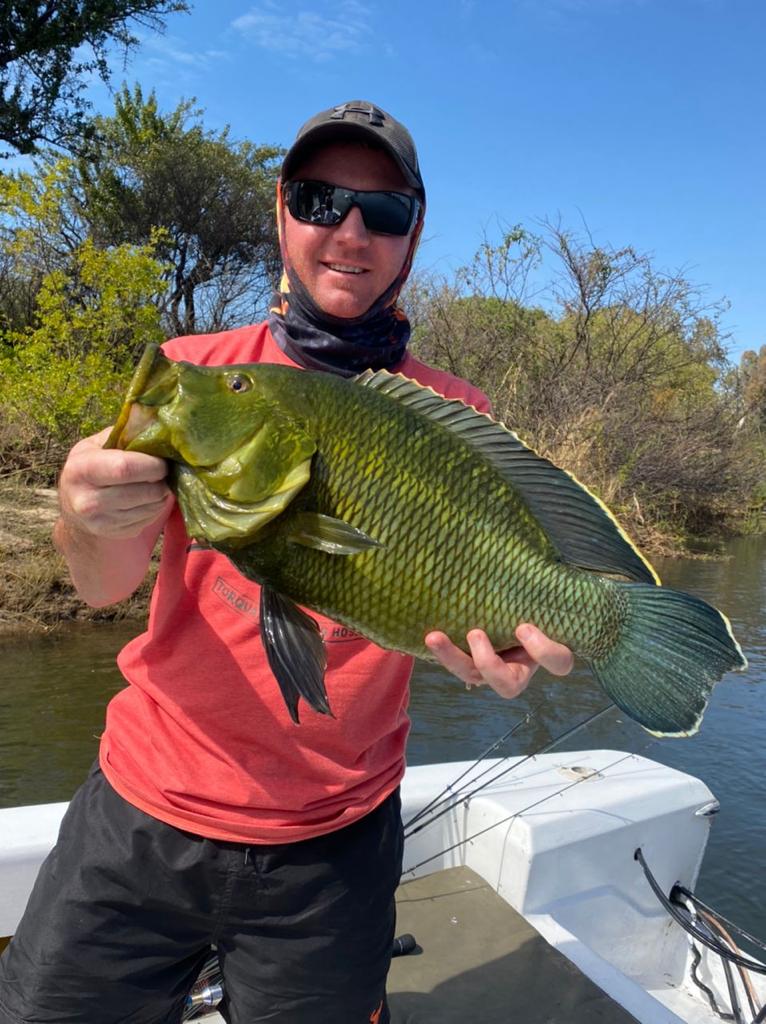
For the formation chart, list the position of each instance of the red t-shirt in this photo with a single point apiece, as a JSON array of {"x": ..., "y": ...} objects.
[{"x": 201, "y": 737}]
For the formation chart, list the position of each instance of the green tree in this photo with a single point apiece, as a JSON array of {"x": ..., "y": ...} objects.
[
  {"x": 213, "y": 197},
  {"x": 480, "y": 324},
  {"x": 64, "y": 375},
  {"x": 752, "y": 373},
  {"x": 40, "y": 233},
  {"x": 144, "y": 171},
  {"x": 46, "y": 51}
]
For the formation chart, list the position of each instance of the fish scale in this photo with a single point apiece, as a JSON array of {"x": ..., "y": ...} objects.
[
  {"x": 396, "y": 512},
  {"x": 456, "y": 566}
]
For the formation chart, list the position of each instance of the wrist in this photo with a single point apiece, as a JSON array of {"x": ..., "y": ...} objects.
[{"x": 69, "y": 532}]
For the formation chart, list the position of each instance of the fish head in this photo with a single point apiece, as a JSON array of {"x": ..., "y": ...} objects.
[{"x": 239, "y": 458}]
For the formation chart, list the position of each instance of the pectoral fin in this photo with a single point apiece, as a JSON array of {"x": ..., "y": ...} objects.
[
  {"x": 333, "y": 536},
  {"x": 295, "y": 651}
]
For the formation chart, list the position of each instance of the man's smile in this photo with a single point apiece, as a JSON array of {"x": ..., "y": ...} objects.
[{"x": 342, "y": 268}]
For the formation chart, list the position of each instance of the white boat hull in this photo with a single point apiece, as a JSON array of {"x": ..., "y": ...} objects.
[{"x": 556, "y": 839}]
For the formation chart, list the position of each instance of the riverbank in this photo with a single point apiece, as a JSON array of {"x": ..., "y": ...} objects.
[{"x": 36, "y": 594}]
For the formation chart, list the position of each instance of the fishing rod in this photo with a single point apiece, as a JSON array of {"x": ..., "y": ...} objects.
[
  {"x": 517, "y": 814},
  {"x": 459, "y": 796},
  {"x": 208, "y": 990},
  {"x": 702, "y": 931},
  {"x": 450, "y": 787}
]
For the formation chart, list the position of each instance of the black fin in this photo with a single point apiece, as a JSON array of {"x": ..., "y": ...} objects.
[
  {"x": 295, "y": 650},
  {"x": 333, "y": 536},
  {"x": 672, "y": 649},
  {"x": 578, "y": 524}
]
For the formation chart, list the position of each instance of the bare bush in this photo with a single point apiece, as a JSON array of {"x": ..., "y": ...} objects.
[{"x": 618, "y": 372}]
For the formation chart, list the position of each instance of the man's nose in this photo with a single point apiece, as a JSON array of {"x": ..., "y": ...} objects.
[{"x": 352, "y": 228}]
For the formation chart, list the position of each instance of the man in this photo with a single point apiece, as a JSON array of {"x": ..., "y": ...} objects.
[{"x": 211, "y": 818}]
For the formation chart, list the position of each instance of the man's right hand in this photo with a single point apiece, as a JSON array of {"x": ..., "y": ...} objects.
[
  {"x": 113, "y": 507},
  {"x": 110, "y": 493}
]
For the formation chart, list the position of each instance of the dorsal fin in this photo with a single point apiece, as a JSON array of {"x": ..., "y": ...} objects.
[{"x": 578, "y": 524}]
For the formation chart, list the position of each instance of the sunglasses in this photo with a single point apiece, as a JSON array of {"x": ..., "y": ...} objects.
[{"x": 319, "y": 202}]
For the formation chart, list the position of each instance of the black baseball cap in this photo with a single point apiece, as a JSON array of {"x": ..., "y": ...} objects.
[{"x": 361, "y": 121}]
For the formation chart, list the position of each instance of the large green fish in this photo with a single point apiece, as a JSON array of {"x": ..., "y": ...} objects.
[{"x": 396, "y": 512}]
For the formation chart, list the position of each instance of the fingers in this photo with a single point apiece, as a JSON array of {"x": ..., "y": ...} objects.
[
  {"x": 104, "y": 467},
  {"x": 86, "y": 499},
  {"x": 507, "y": 677},
  {"x": 452, "y": 658},
  {"x": 483, "y": 666},
  {"x": 507, "y": 672},
  {"x": 118, "y": 515},
  {"x": 112, "y": 493},
  {"x": 554, "y": 657}
]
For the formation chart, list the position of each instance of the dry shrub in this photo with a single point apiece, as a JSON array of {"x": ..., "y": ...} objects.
[
  {"x": 35, "y": 589},
  {"x": 28, "y": 452},
  {"x": 618, "y": 376}
]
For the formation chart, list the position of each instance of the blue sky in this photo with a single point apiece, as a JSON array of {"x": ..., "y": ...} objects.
[{"x": 643, "y": 118}]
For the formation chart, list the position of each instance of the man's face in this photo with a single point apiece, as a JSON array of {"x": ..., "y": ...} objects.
[{"x": 346, "y": 268}]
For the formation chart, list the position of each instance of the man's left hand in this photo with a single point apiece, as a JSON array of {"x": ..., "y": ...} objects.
[{"x": 507, "y": 672}]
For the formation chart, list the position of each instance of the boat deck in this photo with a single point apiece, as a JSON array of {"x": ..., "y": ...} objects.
[{"x": 479, "y": 961}]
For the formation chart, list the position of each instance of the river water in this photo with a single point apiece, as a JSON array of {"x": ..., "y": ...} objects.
[{"x": 54, "y": 691}]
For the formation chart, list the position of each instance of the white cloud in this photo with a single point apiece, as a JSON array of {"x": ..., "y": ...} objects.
[
  {"x": 337, "y": 29},
  {"x": 577, "y": 7},
  {"x": 169, "y": 50}
]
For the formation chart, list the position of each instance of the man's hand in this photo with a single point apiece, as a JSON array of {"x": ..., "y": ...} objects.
[
  {"x": 109, "y": 493},
  {"x": 113, "y": 507},
  {"x": 507, "y": 672}
]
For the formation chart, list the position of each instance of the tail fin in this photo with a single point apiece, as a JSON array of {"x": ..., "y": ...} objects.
[{"x": 671, "y": 652}]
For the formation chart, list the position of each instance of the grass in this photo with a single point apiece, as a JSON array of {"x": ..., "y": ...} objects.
[{"x": 36, "y": 594}]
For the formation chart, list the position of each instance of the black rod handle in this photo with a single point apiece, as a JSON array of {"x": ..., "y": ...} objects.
[{"x": 404, "y": 944}]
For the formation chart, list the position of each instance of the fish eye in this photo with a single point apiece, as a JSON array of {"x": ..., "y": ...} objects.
[{"x": 238, "y": 383}]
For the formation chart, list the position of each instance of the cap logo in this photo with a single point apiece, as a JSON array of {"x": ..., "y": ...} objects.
[{"x": 375, "y": 116}]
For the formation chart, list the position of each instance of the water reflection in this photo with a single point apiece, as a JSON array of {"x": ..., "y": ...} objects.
[{"x": 52, "y": 702}]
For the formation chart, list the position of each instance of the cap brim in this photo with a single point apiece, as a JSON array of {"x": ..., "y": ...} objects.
[{"x": 343, "y": 131}]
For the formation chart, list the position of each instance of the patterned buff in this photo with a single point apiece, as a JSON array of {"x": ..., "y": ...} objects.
[{"x": 316, "y": 341}]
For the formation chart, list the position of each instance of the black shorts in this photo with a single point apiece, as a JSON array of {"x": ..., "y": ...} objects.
[{"x": 126, "y": 908}]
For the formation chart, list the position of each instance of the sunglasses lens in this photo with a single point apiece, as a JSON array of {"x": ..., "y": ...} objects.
[
  {"x": 317, "y": 202},
  {"x": 387, "y": 212}
]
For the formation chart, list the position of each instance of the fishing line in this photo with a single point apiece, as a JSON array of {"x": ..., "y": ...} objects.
[
  {"x": 500, "y": 772},
  {"x": 517, "y": 814},
  {"x": 696, "y": 928},
  {"x": 450, "y": 787}
]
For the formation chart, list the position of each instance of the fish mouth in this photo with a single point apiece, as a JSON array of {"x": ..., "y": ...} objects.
[{"x": 154, "y": 383}]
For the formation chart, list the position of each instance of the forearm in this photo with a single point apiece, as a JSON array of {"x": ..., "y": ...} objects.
[{"x": 105, "y": 570}]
